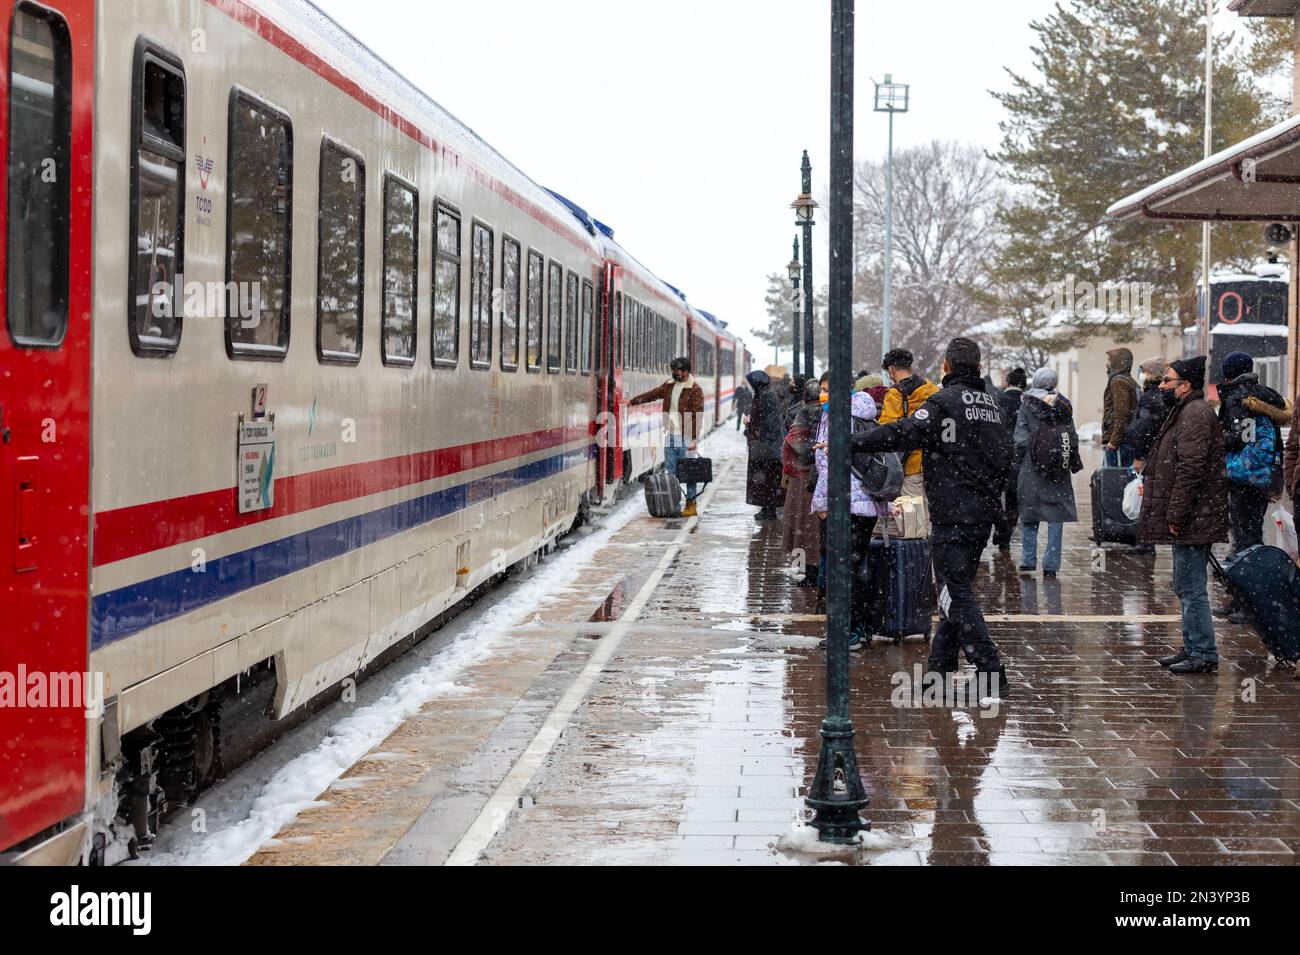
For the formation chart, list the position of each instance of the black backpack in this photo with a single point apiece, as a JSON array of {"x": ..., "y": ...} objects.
[{"x": 1055, "y": 448}]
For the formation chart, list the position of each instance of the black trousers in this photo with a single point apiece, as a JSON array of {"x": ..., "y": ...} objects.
[
  {"x": 860, "y": 529},
  {"x": 1246, "y": 507},
  {"x": 1007, "y": 519},
  {"x": 860, "y": 611},
  {"x": 956, "y": 550}
]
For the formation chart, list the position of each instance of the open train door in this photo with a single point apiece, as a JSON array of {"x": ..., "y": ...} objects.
[
  {"x": 609, "y": 381},
  {"x": 46, "y": 115}
]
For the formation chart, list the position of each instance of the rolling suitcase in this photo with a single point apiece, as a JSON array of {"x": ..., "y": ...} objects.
[
  {"x": 901, "y": 586},
  {"x": 1265, "y": 581},
  {"x": 663, "y": 495},
  {"x": 1109, "y": 523}
]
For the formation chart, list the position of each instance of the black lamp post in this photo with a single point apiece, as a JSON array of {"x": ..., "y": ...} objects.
[
  {"x": 836, "y": 794},
  {"x": 803, "y": 207},
  {"x": 792, "y": 270}
]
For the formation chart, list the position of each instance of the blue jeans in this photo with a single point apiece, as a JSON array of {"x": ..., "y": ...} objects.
[
  {"x": 1189, "y": 584},
  {"x": 674, "y": 450},
  {"x": 1121, "y": 457},
  {"x": 1029, "y": 546}
]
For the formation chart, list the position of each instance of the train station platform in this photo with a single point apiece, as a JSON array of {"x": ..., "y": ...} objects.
[{"x": 665, "y": 708}]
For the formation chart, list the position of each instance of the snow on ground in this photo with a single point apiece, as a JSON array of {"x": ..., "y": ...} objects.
[{"x": 245, "y": 810}]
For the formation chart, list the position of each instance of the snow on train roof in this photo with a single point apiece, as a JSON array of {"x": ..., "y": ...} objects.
[
  {"x": 311, "y": 26},
  {"x": 350, "y": 56}
]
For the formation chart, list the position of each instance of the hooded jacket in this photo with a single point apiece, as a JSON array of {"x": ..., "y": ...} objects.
[
  {"x": 1119, "y": 404},
  {"x": 1043, "y": 497},
  {"x": 899, "y": 402},
  {"x": 1142, "y": 430},
  {"x": 1184, "y": 482}
]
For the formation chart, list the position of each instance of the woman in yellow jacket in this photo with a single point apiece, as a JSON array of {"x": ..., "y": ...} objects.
[{"x": 907, "y": 393}]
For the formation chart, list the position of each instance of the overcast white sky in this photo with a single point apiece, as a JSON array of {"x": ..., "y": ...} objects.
[{"x": 688, "y": 117}]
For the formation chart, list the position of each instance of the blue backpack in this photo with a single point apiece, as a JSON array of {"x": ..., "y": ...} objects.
[{"x": 1258, "y": 462}]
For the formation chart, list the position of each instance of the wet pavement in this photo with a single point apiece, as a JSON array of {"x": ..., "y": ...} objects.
[{"x": 667, "y": 710}]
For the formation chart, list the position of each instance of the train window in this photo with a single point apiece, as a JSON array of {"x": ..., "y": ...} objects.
[
  {"x": 401, "y": 255},
  {"x": 586, "y": 326},
  {"x": 340, "y": 253},
  {"x": 258, "y": 235},
  {"x": 571, "y": 323},
  {"x": 554, "y": 316},
  {"x": 533, "y": 305},
  {"x": 480, "y": 296},
  {"x": 157, "y": 206},
  {"x": 510, "y": 269},
  {"x": 40, "y": 152},
  {"x": 446, "y": 289}
]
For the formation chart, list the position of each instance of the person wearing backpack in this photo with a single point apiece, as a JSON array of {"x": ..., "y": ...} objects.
[
  {"x": 966, "y": 457},
  {"x": 1047, "y": 456},
  {"x": 1252, "y": 416}
]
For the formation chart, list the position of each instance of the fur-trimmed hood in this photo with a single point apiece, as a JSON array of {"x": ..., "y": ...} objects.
[{"x": 1279, "y": 416}]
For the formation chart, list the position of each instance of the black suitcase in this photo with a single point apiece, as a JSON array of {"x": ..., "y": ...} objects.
[
  {"x": 694, "y": 470},
  {"x": 1109, "y": 525},
  {"x": 663, "y": 495},
  {"x": 901, "y": 582},
  {"x": 1264, "y": 581}
]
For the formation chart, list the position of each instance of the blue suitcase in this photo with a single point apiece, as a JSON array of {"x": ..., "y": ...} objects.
[{"x": 901, "y": 582}]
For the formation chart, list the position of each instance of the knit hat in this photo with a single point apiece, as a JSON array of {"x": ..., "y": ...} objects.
[
  {"x": 963, "y": 352},
  {"x": 1191, "y": 370},
  {"x": 867, "y": 382},
  {"x": 896, "y": 358},
  {"x": 1153, "y": 367},
  {"x": 1237, "y": 363}
]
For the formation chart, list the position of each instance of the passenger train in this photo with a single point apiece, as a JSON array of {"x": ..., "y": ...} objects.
[{"x": 293, "y": 362}]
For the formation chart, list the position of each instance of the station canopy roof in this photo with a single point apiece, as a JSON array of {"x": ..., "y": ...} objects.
[{"x": 1220, "y": 187}]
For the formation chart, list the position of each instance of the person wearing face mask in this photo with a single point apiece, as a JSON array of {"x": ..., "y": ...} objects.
[
  {"x": 966, "y": 457},
  {"x": 1185, "y": 503},
  {"x": 683, "y": 409}
]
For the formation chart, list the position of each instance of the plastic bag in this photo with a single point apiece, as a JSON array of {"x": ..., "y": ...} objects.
[
  {"x": 1286, "y": 536},
  {"x": 1133, "y": 498}
]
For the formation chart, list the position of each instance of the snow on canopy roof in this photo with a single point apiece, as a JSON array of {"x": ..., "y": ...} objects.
[
  {"x": 1260, "y": 271},
  {"x": 1250, "y": 329},
  {"x": 1218, "y": 178},
  {"x": 1264, "y": 8}
]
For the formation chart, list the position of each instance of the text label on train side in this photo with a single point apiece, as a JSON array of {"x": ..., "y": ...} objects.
[{"x": 256, "y": 463}]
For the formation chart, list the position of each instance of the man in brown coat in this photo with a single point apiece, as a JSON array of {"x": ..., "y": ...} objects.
[
  {"x": 683, "y": 405},
  {"x": 1185, "y": 503},
  {"x": 1119, "y": 405}
]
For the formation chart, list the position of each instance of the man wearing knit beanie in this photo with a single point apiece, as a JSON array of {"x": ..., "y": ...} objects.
[{"x": 1184, "y": 503}]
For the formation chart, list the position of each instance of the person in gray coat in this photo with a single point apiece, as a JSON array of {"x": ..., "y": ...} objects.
[{"x": 1046, "y": 460}]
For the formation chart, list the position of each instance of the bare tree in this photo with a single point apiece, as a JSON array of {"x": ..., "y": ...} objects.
[{"x": 946, "y": 199}]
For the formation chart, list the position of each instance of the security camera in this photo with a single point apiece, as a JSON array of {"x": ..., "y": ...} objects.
[{"x": 1277, "y": 234}]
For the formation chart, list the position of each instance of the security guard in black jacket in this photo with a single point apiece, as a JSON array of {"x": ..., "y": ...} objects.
[{"x": 966, "y": 456}]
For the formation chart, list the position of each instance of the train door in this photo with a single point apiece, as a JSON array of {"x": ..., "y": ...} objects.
[
  {"x": 609, "y": 381},
  {"x": 45, "y": 203}
]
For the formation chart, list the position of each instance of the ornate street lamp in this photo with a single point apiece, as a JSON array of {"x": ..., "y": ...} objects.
[{"x": 807, "y": 223}]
